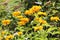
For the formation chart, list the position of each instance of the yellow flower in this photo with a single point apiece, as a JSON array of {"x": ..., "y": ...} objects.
[
  {"x": 42, "y": 21},
  {"x": 19, "y": 17},
  {"x": 42, "y": 13},
  {"x": 37, "y": 19},
  {"x": 25, "y": 20},
  {"x": 38, "y": 28},
  {"x": 3, "y": 32},
  {"x": 6, "y": 22},
  {"x": 36, "y": 8},
  {"x": 32, "y": 10},
  {"x": 16, "y": 13},
  {"x": 9, "y": 36},
  {"x": 19, "y": 33},
  {"x": 28, "y": 12},
  {"x": 54, "y": 18},
  {"x": 21, "y": 23}
]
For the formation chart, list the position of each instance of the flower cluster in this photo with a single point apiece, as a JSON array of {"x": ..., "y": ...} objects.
[
  {"x": 25, "y": 24},
  {"x": 32, "y": 10}
]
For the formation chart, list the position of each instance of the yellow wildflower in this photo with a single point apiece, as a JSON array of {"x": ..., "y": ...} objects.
[
  {"x": 9, "y": 36},
  {"x": 28, "y": 12},
  {"x": 25, "y": 20},
  {"x": 19, "y": 17},
  {"x": 21, "y": 23},
  {"x": 6, "y": 22},
  {"x": 38, "y": 28},
  {"x": 37, "y": 19},
  {"x": 31, "y": 10},
  {"x": 16, "y": 13},
  {"x": 36, "y": 8},
  {"x": 3, "y": 32},
  {"x": 54, "y": 18},
  {"x": 42, "y": 13},
  {"x": 19, "y": 33},
  {"x": 42, "y": 21}
]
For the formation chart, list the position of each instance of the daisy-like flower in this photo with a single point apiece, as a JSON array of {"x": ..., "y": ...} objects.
[
  {"x": 19, "y": 17},
  {"x": 17, "y": 13},
  {"x": 25, "y": 20},
  {"x": 9, "y": 37},
  {"x": 38, "y": 28},
  {"x": 28, "y": 12},
  {"x": 6, "y": 22},
  {"x": 42, "y": 21},
  {"x": 36, "y": 8},
  {"x": 42, "y": 13},
  {"x": 21, "y": 23},
  {"x": 54, "y": 18},
  {"x": 3, "y": 32},
  {"x": 19, "y": 33}
]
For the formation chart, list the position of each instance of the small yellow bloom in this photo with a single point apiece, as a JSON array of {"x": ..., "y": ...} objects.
[
  {"x": 42, "y": 13},
  {"x": 9, "y": 36},
  {"x": 36, "y": 8},
  {"x": 28, "y": 12},
  {"x": 42, "y": 21},
  {"x": 19, "y": 17},
  {"x": 19, "y": 33},
  {"x": 54, "y": 19},
  {"x": 25, "y": 20},
  {"x": 32, "y": 10},
  {"x": 3, "y": 32},
  {"x": 21, "y": 23},
  {"x": 38, "y": 28},
  {"x": 37, "y": 19},
  {"x": 16, "y": 13},
  {"x": 6, "y": 22}
]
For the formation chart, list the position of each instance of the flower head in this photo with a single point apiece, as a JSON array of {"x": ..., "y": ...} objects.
[
  {"x": 36, "y": 8},
  {"x": 28, "y": 12},
  {"x": 19, "y": 17},
  {"x": 21, "y": 23},
  {"x": 6, "y": 22},
  {"x": 54, "y": 19},
  {"x": 38, "y": 28},
  {"x": 9, "y": 37},
  {"x": 25, "y": 20},
  {"x": 3, "y": 32},
  {"x": 16, "y": 13},
  {"x": 19, "y": 33},
  {"x": 42, "y": 13},
  {"x": 42, "y": 21}
]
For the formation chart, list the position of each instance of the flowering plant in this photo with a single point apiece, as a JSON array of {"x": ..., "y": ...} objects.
[{"x": 38, "y": 22}]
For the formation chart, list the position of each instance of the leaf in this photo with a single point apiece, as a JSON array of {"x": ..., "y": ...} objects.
[{"x": 51, "y": 28}]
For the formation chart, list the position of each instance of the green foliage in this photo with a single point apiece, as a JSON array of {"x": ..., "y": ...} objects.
[{"x": 51, "y": 30}]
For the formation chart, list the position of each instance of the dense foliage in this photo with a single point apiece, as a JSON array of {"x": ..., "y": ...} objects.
[{"x": 29, "y": 19}]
